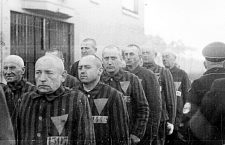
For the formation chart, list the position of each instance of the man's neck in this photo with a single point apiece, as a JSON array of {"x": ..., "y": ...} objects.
[
  {"x": 214, "y": 66},
  {"x": 132, "y": 67},
  {"x": 90, "y": 86},
  {"x": 112, "y": 73}
]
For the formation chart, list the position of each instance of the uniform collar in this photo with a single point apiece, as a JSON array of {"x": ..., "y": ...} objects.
[
  {"x": 94, "y": 91},
  {"x": 215, "y": 70},
  {"x": 116, "y": 77},
  {"x": 136, "y": 70},
  {"x": 149, "y": 65},
  {"x": 16, "y": 86},
  {"x": 49, "y": 97},
  {"x": 173, "y": 69}
]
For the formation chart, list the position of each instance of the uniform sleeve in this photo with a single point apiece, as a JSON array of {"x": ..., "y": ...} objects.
[
  {"x": 170, "y": 95},
  {"x": 6, "y": 128},
  {"x": 85, "y": 134},
  {"x": 186, "y": 84},
  {"x": 152, "y": 92},
  {"x": 142, "y": 109},
  {"x": 119, "y": 126}
]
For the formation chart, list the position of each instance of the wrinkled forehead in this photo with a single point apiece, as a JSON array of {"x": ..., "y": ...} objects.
[
  {"x": 49, "y": 64},
  {"x": 111, "y": 52},
  {"x": 131, "y": 49},
  {"x": 88, "y": 44},
  {"x": 13, "y": 62}
]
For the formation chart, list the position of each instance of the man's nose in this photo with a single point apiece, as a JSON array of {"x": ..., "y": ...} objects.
[
  {"x": 8, "y": 70},
  {"x": 42, "y": 77}
]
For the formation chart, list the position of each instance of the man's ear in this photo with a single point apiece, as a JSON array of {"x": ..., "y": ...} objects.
[
  {"x": 23, "y": 70},
  {"x": 64, "y": 75},
  {"x": 100, "y": 71}
]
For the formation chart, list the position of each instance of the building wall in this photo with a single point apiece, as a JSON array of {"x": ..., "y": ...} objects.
[{"x": 102, "y": 20}]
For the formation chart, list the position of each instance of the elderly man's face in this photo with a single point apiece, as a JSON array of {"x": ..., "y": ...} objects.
[
  {"x": 168, "y": 60},
  {"x": 148, "y": 56},
  {"x": 111, "y": 60},
  {"x": 87, "y": 48},
  {"x": 12, "y": 72},
  {"x": 48, "y": 76},
  {"x": 131, "y": 56}
]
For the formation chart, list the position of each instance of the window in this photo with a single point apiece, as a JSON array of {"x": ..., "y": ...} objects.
[
  {"x": 130, "y": 5},
  {"x": 31, "y": 36}
]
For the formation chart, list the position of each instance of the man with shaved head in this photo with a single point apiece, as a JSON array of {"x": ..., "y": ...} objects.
[
  {"x": 132, "y": 56},
  {"x": 54, "y": 114},
  {"x": 128, "y": 84},
  {"x": 108, "y": 108},
  {"x": 13, "y": 71},
  {"x": 88, "y": 46},
  {"x": 168, "y": 93},
  {"x": 182, "y": 85}
]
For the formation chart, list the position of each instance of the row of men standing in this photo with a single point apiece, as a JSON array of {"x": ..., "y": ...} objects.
[{"x": 141, "y": 108}]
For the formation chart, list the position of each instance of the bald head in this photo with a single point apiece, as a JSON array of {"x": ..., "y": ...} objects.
[
  {"x": 13, "y": 69},
  {"x": 15, "y": 59},
  {"x": 169, "y": 59},
  {"x": 91, "y": 59},
  {"x": 51, "y": 61},
  {"x": 148, "y": 54},
  {"x": 49, "y": 74}
]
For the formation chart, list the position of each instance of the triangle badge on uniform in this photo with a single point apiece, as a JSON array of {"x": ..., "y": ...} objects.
[
  {"x": 59, "y": 122},
  {"x": 100, "y": 104},
  {"x": 124, "y": 85},
  {"x": 177, "y": 85}
]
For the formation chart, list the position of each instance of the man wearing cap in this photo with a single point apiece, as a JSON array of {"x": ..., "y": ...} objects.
[
  {"x": 214, "y": 54},
  {"x": 130, "y": 86},
  {"x": 168, "y": 94},
  {"x": 108, "y": 108},
  {"x": 207, "y": 124},
  {"x": 13, "y": 71},
  {"x": 88, "y": 46},
  {"x": 54, "y": 114},
  {"x": 132, "y": 56},
  {"x": 70, "y": 81},
  {"x": 182, "y": 85}
]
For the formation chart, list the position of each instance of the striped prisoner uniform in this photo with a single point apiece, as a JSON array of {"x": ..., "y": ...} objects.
[
  {"x": 6, "y": 128},
  {"x": 152, "y": 92},
  {"x": 182, "y": 85},
  {"x": 169, "y": 99},
  {"x": 137, "y": 104},
  {"x": 13, "y": 94},
  {"x": 108, "y": 103},
  {"x": 63, "y": 116}
]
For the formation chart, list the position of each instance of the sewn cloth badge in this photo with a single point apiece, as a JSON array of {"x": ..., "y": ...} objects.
[
  {"x": 177, "y": 85},
  {"x": 100, "y": 119},
  {"x": 57, "y": 140},
  {"x": 126, "y": 99},
  {"x": 100, "y": 104},
  {"x": 124, "y": 85},
  {"x": 59, "y": 122}
]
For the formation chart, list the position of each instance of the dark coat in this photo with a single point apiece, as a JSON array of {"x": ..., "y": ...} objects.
[
  {"x": 200, "y": 86},
  {"x": 74, "y": 69},
  {"x": 207, "y": 123}
]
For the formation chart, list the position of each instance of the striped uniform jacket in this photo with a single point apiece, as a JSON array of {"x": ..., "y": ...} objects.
[
  {"x": 136, "y": 102},
  {"x": 6, "y": 128},
  {"x": 182, "y": 85},
  {"x": 61, "y": 117},
  {"x": 71, "y": 82},
  {"x": 168, "y": 93},
  {"x": 13, "y": 94},
  {"x": 152, "y": 92},
  {"x": 109, "y": 114}
]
